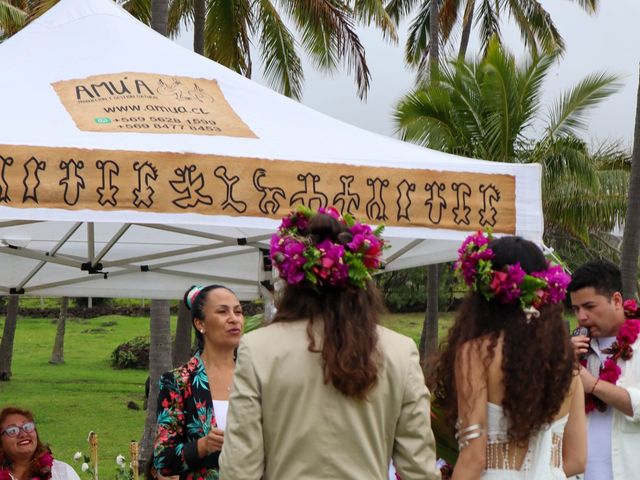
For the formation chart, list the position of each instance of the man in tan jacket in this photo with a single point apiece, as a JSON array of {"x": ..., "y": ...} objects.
[{"x": 285, "y": 423}]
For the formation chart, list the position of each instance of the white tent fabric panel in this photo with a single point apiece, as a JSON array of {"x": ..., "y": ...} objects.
[{"x": 159, "y": 254}]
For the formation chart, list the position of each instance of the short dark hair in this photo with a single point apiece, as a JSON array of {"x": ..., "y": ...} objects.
[{"x": 602, "y": 275}]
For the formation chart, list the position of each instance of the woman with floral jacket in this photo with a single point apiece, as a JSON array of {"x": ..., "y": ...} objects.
[{"x": 193, "y": 399}]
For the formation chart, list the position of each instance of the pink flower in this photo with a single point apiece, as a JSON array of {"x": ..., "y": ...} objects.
[
  {"x": 45, "y": 461},
  {"x": 557, "y": 282},
  {"x": 628, "y": 332},
  {"x": 4, "y": 474},
  {"x": 610, "y": 371},
  {"x": 506, "y": 285},
  {"x": 630, "y": 308}
]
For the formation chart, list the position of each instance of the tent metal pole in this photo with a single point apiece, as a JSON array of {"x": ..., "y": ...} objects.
[
  {"x": 193, "y": 233},
  {"x": 410, "y": 246},
  {"x": 24, "y": 252},
  {"x": 155, "y": 256},
  {"x": 52, "y": 253},
  {"x": 16, "y": 223},
  {"x": 200, "y": 259},
  {"x": 110, "y": 245},
  {"x": 91, "y": 245}
]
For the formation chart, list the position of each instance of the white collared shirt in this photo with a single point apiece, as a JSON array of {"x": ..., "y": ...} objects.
[{"x": 625, "y": 431}]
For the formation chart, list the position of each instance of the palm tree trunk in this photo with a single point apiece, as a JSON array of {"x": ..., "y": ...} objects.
[
  {"x": 159, "y": 362},
  {"x": 429, "y": 336},
  {"x": 466, "y": 29},
  {"x": 57, "y": 356},
  {"x": 631, "y": 235},
  {"x": 159, "y": 16},
  {"x": 199, "y": 15},
  {"x": 6, "y": 345},
  {"x": 182, "y": 342},
  {"x": 434, "y": 34}
]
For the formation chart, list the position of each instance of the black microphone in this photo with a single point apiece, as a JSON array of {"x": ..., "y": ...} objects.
[{"x": 581, "y": 331}]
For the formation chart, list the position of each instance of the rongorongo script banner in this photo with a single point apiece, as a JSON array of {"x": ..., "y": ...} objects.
[{"x": 104, "y": 180}]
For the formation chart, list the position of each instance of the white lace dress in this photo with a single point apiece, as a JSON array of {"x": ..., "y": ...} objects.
[{"x": 543, "y": 460}]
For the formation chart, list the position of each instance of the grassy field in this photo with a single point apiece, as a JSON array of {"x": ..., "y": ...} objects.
[{"x": 85, "y": 393}]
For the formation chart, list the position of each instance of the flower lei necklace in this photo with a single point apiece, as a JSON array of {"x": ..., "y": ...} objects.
[
  {"x": 621, "y": 348},
  {"x": 45, "y": 463}
]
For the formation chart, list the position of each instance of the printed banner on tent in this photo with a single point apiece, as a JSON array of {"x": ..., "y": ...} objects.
[
  {"x": 150, "y": 103},
  {"x": 103, "y": 180}
]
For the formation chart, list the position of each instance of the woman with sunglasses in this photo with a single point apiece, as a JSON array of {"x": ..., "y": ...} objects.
[{"x": 23, "y": 456}]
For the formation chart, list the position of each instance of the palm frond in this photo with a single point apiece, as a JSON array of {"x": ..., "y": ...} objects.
[
  {"x": 226, "y": 34},
  {"x": 589, "y": 6},
  {"x": 417, "y": 46},
  {"x": 448, "y": 16},
  {"x": 567, "y": 114},
  {"x": 489, "y": 24},
  {"x": 181, "y": 14},
  {"x": 41, "y": 7},
  {"x": 536, "y": 26},
  {"x": 398, "y": 9},
  {"x": 329, "y": 36},
  {"x": 282, "y": 65},
  {"x": 12, "y": 19},
  {"x": 373, "y": 11}
]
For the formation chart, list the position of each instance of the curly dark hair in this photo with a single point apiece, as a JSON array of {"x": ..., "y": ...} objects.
[
  {"x": 349, "y": 350},
  {"x": 41, "y": 448},
  {"x": 537, "y": 358}
]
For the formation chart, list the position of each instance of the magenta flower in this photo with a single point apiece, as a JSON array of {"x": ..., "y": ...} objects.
[
  {"x": 506, "y": 285},
  {"x": 628, "y": 332},
  {"x": 610, "y": 371}
]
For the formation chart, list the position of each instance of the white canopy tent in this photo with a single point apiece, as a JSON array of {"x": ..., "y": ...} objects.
[{"x": 132, "y": 167}]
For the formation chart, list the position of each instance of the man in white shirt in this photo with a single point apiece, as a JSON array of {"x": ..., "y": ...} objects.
[{"x": 614, "y": 423}]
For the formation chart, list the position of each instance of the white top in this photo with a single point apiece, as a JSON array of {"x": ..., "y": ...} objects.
[
  {"x": 625, "y": 431},
  {"x": 599, "y": 432},
  {"x": 220, "y": 408},
  {"x": 542, "y": 460},
  {"x": 63, "y": 471}
]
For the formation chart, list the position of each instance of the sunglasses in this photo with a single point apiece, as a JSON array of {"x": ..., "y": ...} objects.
[{"x": 14, "y": 430}]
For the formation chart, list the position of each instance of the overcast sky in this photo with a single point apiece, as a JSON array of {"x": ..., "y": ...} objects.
[{"x": 608, "y": 40}]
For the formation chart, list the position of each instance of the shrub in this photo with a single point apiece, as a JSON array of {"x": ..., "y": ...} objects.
[{"x": 132, "y": 354}]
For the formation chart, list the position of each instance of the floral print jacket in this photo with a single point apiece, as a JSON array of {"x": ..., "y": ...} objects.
[{"x": 185, "y": 414}]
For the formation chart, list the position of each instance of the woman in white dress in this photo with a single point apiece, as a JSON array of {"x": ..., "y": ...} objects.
[
  {"x": 507, "y": 375},
  {"x": 23, "y": 456}
]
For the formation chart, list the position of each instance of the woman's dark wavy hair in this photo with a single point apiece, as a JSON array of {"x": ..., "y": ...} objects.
[
  {"x": 5, "y": 461},
  {"x": 349, "y": 350},
  {"x": 196, "y": 306},
  {"x": 537, "y": 357}
]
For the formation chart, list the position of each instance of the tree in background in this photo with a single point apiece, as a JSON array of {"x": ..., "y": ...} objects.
[
  {"x": 8, "y": 335},
  {"x": 631, "y": 235},
  {"x": 490, "y": 109},
  {"x": 57, "y": 355},
  {"x": 534, "y": 23}
]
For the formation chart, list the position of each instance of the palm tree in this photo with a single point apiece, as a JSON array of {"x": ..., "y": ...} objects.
[
  {"x": 490, "y": 109},
  {"x": 57, "y": 355},
  {"x": 631, "y": 235},
  {"x": 8, "y": 335},
  {"x": 536, "y": 27},
  {"x": 326, "y": 31}
]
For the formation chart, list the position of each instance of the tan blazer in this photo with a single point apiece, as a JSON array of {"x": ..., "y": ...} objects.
[{"x": 285, "y": 423}]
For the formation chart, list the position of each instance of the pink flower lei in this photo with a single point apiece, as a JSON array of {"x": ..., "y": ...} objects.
[
  {"x": 45, "y": 463},
  {"x": 327, "y": 263},
  {"x": 511, "y": 284},
  {"x": 620, "y": 349}
]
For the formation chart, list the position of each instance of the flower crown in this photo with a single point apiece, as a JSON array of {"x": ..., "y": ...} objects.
[
  {"x": 511, "y": 284},
  {"x": 327, "y": 263}
]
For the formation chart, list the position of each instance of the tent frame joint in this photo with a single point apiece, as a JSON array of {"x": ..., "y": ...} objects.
[{"x": 89, "y": 267}]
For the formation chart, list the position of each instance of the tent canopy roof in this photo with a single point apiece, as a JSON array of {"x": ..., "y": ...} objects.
[{"x": 67, "y": 211}]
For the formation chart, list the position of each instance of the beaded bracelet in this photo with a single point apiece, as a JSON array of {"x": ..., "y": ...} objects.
[{"x": 593, "y": 389}]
